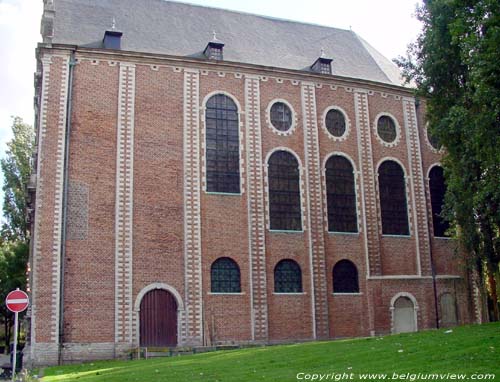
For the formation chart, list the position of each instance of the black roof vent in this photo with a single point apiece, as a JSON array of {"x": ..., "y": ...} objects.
[
  {"x": 214, "y": 49},
  {"x": 322, "y": 65},
  {"x": 112, "y": 38}
]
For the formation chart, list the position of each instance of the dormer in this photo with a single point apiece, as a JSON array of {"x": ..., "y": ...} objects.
[
  {"x": 112, "y": 38},
  {"x": 322, "y": 65},
  {"x": 214, "y": 49}
]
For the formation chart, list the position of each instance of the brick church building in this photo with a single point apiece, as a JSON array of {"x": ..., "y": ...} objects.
[{"x": 207, "y": 177}]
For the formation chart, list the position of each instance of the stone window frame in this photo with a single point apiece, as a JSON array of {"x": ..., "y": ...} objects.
[
  {"x": 281, "y": 262},
  {"x": 347, "y": 131},
  {"x": 397, "y": 126},
  {"x": 268, "y": 117},
  {"x": 234, "y": 262},
  {"x": 428, "y": 142}
]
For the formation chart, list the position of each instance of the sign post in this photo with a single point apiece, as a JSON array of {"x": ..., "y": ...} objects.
[{"x": 17, "y": 301}]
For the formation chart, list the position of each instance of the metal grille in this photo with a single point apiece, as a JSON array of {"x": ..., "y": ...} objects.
[
  {"x": 225, "y": 276},
  {"x": 335, "y": 123},
  {"x": 345, "y": 277},
  {"x": 287, "y": 277},
  {"x": 222, "y": 145},
  {"x": 393, "y": 206},
  {"x": 281, "y": 116},
  {"x": 340, "y": 195},
  {"x": 437, "y": 188},
  {"x": 284, "y": 192},
  {"x": 386, "y": 129}
]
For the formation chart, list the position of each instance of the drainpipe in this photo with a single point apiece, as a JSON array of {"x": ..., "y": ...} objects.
[{"x": 72, "y": 64}]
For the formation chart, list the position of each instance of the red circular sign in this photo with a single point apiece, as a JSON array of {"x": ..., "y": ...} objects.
[{"x": 17, "y": 301}]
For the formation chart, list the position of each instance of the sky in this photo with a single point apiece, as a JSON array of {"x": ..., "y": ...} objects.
[{"x": 388, "y": 25}]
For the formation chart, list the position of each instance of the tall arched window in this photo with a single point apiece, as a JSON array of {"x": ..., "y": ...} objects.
[
  {"x": 345, "y": 277},
  {"x": 225, "y": 276},
  {"x": 393, "y": 208},
  {"x": 437, "y": 188},
  {"x": 340, "y": 195},
  {"x": 287, "y": 277},
  {"x": 284, "y": 192},
  {"x": 222, "y": 145}
]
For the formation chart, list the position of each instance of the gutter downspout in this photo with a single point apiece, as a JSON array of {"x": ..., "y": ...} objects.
[{"x": 72, "y": 63}]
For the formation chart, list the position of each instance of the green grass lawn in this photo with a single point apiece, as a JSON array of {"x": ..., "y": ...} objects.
[{"x": 468, "y": 349}]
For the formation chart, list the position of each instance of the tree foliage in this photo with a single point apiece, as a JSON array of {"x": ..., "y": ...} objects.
[
  {"x": 455, "y": 64},
  {"x": 14, "y": 238},
  {"x": 16, "y": 172}
]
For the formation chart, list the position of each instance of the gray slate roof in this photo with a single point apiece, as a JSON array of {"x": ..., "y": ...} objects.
[{"x": 166, "y": 27}]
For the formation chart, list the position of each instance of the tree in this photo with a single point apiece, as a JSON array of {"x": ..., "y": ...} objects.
[
  {"x": 455, "y": 64},
  {"x": 14, "y": 238},
  {"x": 16, "y": 171}
]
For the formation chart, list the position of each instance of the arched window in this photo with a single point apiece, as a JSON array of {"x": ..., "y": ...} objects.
[
  {"x": 437, "y": 188},
  {"x": 345, "y": 277},
  {"x": 284, "y": 192},
  {"x": 225, "y": 276},
  {"x": 222, "y": 145},
  {"x": 340, "y": 195},
  {"x": 392, "y": 187},
  {"x": 287, "y": 277}
]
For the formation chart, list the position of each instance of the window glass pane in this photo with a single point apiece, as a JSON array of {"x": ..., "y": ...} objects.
[
  {"x": 345, "y": 277},
  {"x": 281, "y": 116},
  {"x": 222, "y": 145},
  {"x": 335, "y": 123},
  {"x": 340, "y": 195},
  {"x": 287, "y": 277},
  {"x": 386, "y": 129},
  {"x": 392, "y": 190},
  {"x": 225, "y": 276},
  {"x": 284, "y": 192}
]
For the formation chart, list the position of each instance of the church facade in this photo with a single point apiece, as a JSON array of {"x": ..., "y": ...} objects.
[{"x": 268, "y": 182}]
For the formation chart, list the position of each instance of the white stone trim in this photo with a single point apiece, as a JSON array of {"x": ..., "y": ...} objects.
[
  {"x": 344, "y": 136},
  {"x": 412, "y": 277},
  {"x": 192, "y": 326},
  {"x": 137, "y": 309},
  {"x": 124, "y": 204},
  {"x": 241, "y": 139},
  {"x": 37, "y": 249},
  {"x": 428, "y": 174},
  {"x": 368, "y": 184},
  {"x": 397, "y": 126},
  {"x": 256, "y": 211},
  {"x": 357, "y": 190},
  {"x": 58, "y": 200},
  {"x": 268, "y": 117},
  {"x": 415, "y": 308}
]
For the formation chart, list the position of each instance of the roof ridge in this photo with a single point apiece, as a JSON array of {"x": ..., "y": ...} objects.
[{"x": 272, "y": 18}]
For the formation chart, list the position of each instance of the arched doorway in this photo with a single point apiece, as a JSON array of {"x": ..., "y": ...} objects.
[
  {"x": 404, "y": 317},
  {"x": 448, "y": 310},
  {"x": 158, "y": 319}
]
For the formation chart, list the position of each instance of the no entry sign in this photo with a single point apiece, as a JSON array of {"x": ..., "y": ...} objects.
[{"x": 17, "y": 301}]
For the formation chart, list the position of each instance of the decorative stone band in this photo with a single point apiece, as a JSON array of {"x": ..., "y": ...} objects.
[
  {"x": 256, "y": 213},
  {"x": 368, "y": 185},
  {"x": 192, "y": 327},
  {"x": 315, "y": 212},
  {"x": 417, "y": 188},
  {"x": 124, "y": 204}
]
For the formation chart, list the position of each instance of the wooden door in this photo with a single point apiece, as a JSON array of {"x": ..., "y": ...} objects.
[{"x": 158, "y": 319}]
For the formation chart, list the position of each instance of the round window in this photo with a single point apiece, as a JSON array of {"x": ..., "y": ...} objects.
[
  {"x": 281, "y": 116},
  {"x": 386, "y": 129},
  {"x": 432, "y": 139},
  {"x": 335, "y": 123}
]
